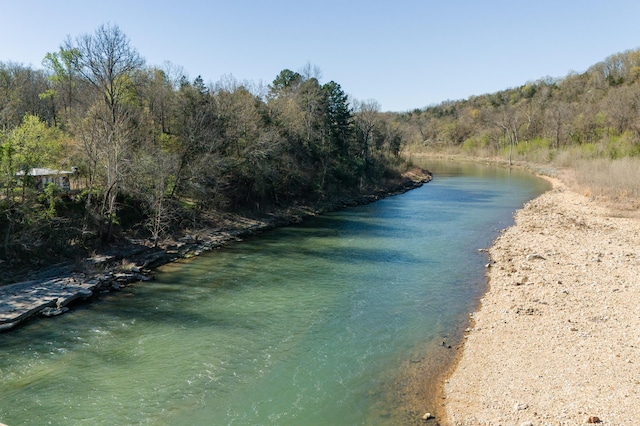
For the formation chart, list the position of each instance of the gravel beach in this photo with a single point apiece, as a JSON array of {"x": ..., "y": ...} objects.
[{"x": 556, "y": 339}]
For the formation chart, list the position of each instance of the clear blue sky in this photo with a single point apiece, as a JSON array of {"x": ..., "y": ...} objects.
[{"x": 405, "y": 54}]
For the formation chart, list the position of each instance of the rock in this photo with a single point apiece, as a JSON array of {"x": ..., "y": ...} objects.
[
  {"x": 52, "y": 312},
  {"x": 520, "y": 406},
  {"x": 135, "y": 269},
  {"x": 593, "y": 419},
  {"x": 123, "y": 277},
  {"x": 527, "y": 424},
  {"x": 535, "y": 256},
  {"x": 427, "y": 416}
]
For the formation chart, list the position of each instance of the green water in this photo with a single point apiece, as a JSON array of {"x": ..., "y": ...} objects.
[{"x": 303, "y": 325}]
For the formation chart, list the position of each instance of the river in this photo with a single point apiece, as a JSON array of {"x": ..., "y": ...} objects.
[{"x": 333, "y": 321}]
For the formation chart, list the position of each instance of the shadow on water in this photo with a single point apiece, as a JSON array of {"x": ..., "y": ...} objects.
[{"x": 333, "y": 225}]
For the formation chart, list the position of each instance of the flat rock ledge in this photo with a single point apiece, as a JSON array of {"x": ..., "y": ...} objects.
[
  {"x": 50, "y": 297},
  {"x": 55, "y": 290}
]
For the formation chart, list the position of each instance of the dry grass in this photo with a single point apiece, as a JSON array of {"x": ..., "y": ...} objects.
[{"x": 615, "y": 182}]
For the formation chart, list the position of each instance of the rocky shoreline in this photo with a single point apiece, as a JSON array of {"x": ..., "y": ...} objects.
[
  {"x": 55, "y": 289},
  {"x": 554, "y": 341}
]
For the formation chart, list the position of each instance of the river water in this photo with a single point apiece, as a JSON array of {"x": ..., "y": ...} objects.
[{"x": 310, "y": 324}]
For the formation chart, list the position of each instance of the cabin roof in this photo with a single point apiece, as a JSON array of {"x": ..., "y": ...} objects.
[{"x": 42, "y": 171}]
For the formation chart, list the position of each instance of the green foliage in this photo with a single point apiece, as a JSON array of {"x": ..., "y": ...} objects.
[
  {"x": 528, "y": 91},
  {"x": 28, "y": 212},
  {"x": 31, "y": 144},
  {"x": 287, "y": 79},
  {"x": 154, "y": 148},
  {"x": 34, "y": 144},
  {"x": 535, "y": 145},
  {"x": 52, "y": 194},
  {"x": 475, "y": 143},
  {"x": 7, "y": 151},
  {"x": 20, "y": 87},
  {"x": 621, "y": 146},
  {"x": 62, "y": 64},
  {"x": 589, "y": 150}
]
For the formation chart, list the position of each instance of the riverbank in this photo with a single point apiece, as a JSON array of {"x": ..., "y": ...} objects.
[
  {"x": 53, "y": 290},
  {"x": 554, "y": 340}
]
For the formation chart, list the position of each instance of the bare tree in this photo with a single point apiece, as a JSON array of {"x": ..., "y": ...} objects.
[
  {"x": 508, "y": 121},
  {"x": 366, "y": 118},
  {"x": 107, "y": 65},
  {"x": 309, "y": 71},
  {"x": 558, "y": 115},
  {"x": 621, "y": 106},
  {"x": 153, "y": 172}
]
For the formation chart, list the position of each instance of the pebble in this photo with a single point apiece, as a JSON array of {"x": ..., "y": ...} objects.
[
  {"x": 520, "y": 406},
  {"x": 562, "y": 359},
  {"x": 535, "y": 256}
]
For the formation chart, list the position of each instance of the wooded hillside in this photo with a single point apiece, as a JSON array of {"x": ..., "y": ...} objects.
[
  {"x": 146, "y": 149},
  {"x": 592, "y": 114}
]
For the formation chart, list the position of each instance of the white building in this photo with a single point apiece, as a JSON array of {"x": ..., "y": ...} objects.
[{"x": 43, "y": 176}]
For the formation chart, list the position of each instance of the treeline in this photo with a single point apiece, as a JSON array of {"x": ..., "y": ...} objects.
[
  {"x": 591, "y": 114},
  {"x": 154, "y": 149}
]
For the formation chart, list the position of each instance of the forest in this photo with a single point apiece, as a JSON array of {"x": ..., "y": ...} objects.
[{"x": 145, "y": 151}]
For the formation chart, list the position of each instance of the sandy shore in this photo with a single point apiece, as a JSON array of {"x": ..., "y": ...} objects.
[{"x": 556, "y": 340}]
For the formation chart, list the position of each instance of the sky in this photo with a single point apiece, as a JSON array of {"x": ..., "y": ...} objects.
[{"x": 404, "y": 54}]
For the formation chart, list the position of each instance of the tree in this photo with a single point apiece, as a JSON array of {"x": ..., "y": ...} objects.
[
  {"x": 63, "y": 66},
  {"x": 621, "y": 107},
  {"x": 285, "y": 81},
  {"x": 238, "y": 116},
  {"x": 508, "y": 121},
  {"x": 107, "y": 65},
  {"x": 160, "y": 93},
  {"x": 336, "y": 161},
  {"x": 558, "y": 117},
  {"x": 32, "y": 144},
  {"x": 390, "y": 138},
  {"x": 20, "y": 90},
  {"x": 152, "y": 178},
  {"x": 366, "y": 119},
  {"x": 311, "y": 102},
  {"x": 339, "y": 114},
  {"x": 197, "y": 134}
]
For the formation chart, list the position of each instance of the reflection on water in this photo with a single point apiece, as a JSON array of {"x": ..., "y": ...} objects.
[{"x": 311, "y": 324}]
